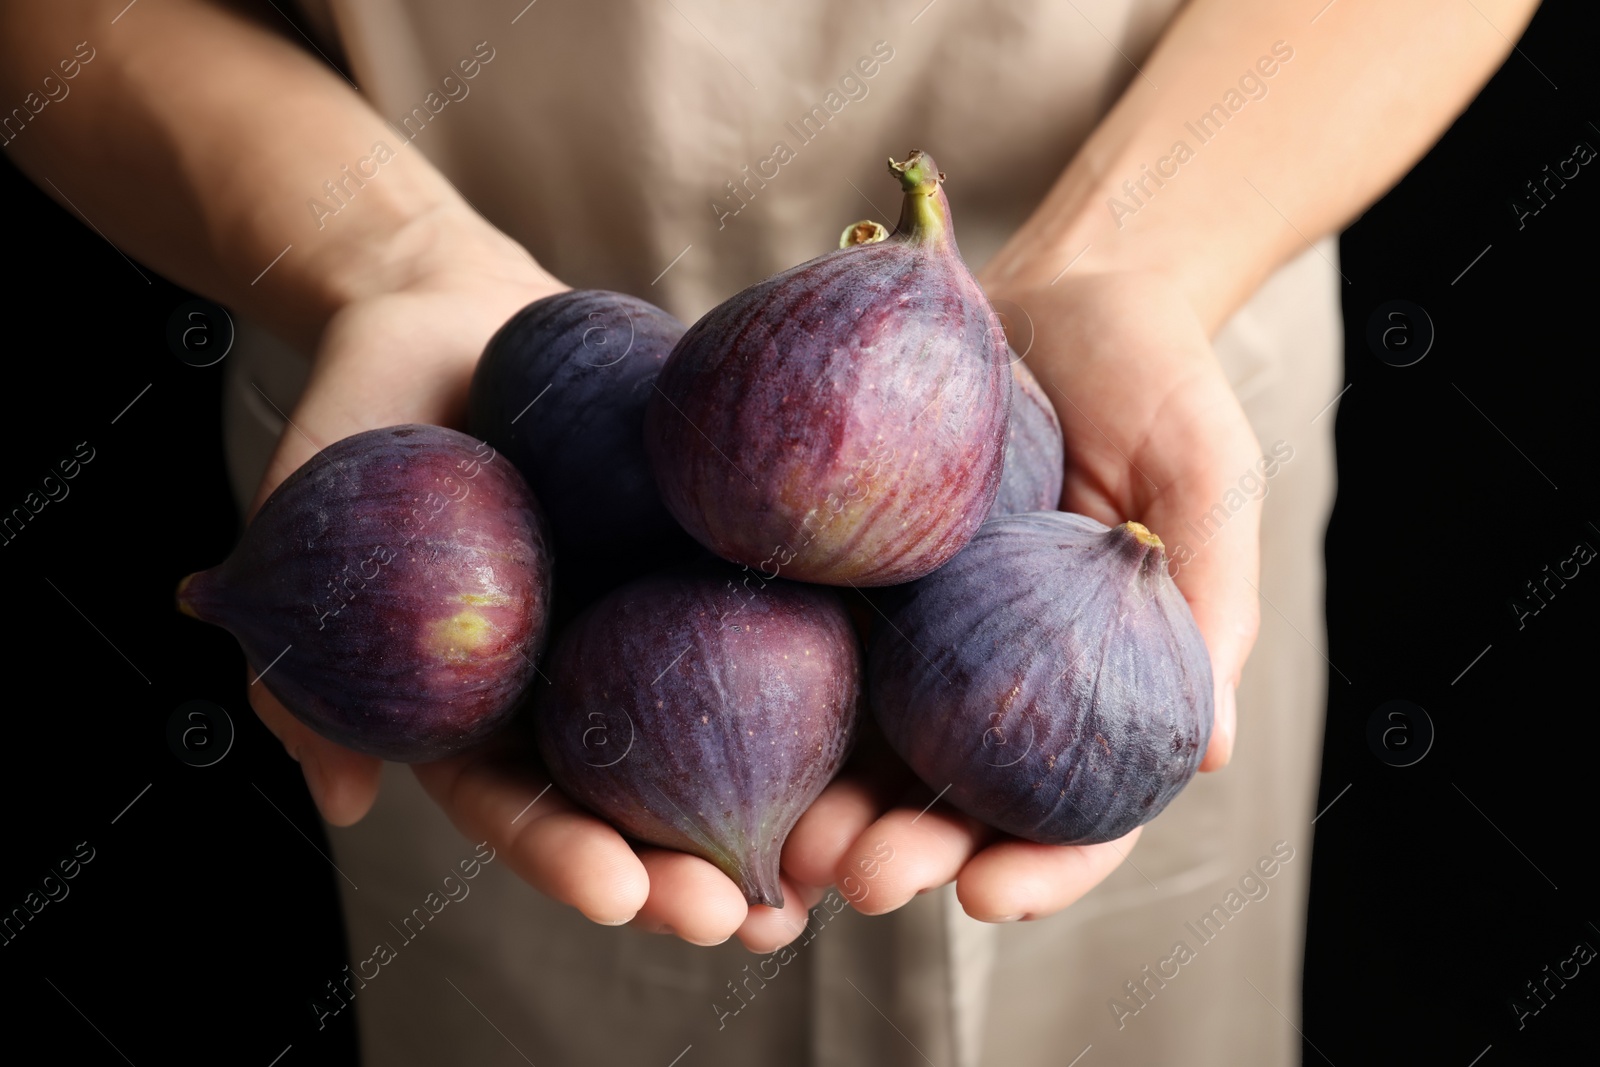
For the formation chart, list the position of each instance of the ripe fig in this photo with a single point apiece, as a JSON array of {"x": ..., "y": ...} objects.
[
  {"x": 560, "y": 391},
  {"x": 696, "y": 712},
  {"x": 1033, "y": 469},
  {"x": 1035, "y": 451},
  {"x": 843, "y": 421},
  {"x": 392, "y": 592},
  {"x": 1051, "y": 675}
]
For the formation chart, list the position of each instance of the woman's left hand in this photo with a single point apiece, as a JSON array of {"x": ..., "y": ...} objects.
[{"x": 1154, "y": 434}]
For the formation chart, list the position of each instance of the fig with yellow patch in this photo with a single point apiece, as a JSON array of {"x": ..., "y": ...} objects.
[{"x": 393, "y": 593}]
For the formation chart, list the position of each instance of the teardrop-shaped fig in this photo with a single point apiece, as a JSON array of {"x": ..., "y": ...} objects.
[
  {"x": 703, "y": 710},
  {"x": 392, "y": 593},
  {"x": 1051, "y": 676},
  {"x": 843, "y": 421},
  {"x": 1035, "y": 453},
  {"x": 1033, "y": 471},
  {"x": 560, "y": 391}
]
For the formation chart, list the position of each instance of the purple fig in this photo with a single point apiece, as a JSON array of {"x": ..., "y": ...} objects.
[
  {"x": 1033, "y": 469},
  {"x": 1035, "y": 452},
  {"x": 696, "y": 712},
  {"x": 844, "y": 421},
  {"x": 1051, "y": 676},
  {"x": 560, "y": 391},
  {"x": 392, "y": 592}
]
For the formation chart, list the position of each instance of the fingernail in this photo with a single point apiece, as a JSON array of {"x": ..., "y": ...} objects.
[
  {"x": 616, "y": 922},
  {"x": 706, "y": 944},
  {"x": 1008, "y": 919}
]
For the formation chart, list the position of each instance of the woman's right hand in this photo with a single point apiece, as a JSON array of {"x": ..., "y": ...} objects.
[{"x": 405, "y": 352}]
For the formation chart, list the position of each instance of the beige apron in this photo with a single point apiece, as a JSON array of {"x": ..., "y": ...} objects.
[{"x": 635, "y": 146}]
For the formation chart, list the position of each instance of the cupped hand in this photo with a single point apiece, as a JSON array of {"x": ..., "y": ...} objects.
[
  {"x": 404, "y": 354},
  {"x": 1153, "y": 434}
]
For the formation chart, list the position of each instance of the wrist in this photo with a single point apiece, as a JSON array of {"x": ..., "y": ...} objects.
[
  {"x": 1076, "y": 231},
  {"x": 1107, "y": 214},
  {"x": 442, "y": 247}
]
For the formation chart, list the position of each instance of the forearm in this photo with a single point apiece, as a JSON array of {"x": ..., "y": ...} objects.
[
  {"x": 195, "y": 139},
  {"x": 1303, "y": 149}
]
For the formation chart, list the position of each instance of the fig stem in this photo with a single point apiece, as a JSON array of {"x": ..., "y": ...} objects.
[
  {"x": 925, "y": 213},
  {"x": 183, "y": 602}
]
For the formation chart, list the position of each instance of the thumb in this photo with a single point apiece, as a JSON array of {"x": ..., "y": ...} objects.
[
  {"x": 343, "y": 783},
  {"x": 1220, "y": 581}
]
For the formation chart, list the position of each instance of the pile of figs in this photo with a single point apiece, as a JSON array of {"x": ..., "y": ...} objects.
[{"x": 690, "y": 514}]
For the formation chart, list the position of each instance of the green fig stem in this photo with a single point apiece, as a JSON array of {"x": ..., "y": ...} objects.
[
  {"x": 925, "y": 213},
  {"x": 865, "y": 232}
]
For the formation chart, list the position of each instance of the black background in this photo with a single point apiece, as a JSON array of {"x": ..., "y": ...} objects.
[{"x": 207, "y": 919}]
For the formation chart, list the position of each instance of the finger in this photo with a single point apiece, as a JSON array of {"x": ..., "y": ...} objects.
[
  {"x": 835, "y": 820},
  {"x": 769, "y": 929},
  {"x": 295, "y": 447},
  {"x": 1220, "y": 575},
  {"x": 1013, "y": 880},
  {"x": 343, "y": 783},
  {"x": 906, "y": 852},
  {"x": 1220, "y": 586},
  {"x": 689, "y": 898},
  {"x": 1220, "y": 749},
  {"x": 553, "y": 845}
]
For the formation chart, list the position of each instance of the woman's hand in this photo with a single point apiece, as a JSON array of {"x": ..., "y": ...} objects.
[
  {"x": 1154, "y": 434},
  {"x": 406, "y": 354}
]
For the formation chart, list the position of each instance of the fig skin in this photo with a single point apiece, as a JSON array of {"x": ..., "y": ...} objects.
[
  {"x": 560, "y": 391},
  {"x": 1035, "y": 460},
  {"x": 1034, "y": 467},
  {"x": 703, "y": 710},
  {"x": 406, "y": 572},
  {"x": 1051, "y": 676},
  {"x": 843, "y": 421}
]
